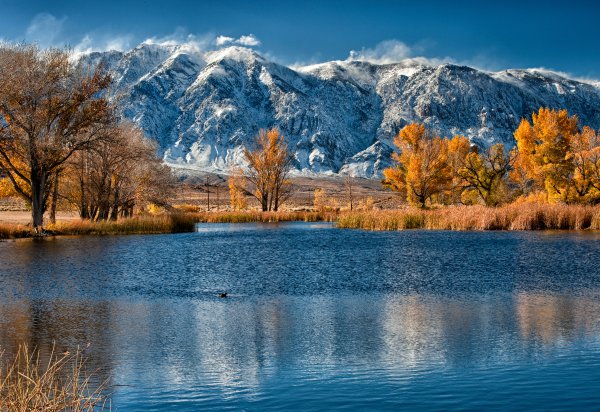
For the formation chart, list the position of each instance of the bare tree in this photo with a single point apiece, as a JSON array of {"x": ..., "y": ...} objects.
[
  {"x": 107, "y": 181},
  {"x": 49, "y": 110},
  {"x": 269, "y": 163}
]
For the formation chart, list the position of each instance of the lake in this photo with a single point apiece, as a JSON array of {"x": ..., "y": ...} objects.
[{"x": 317, "y": 318}]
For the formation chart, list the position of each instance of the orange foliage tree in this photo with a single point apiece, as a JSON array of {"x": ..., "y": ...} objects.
[
  {"x": 422, "y": 168},
  {"x": 545, "y": 158},
  {"x": 269, "y": 163}
]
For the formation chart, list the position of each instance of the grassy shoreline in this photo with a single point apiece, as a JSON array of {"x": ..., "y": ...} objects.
[
  {"x": 174, "y": 223},
  {"x": 265, "y": 217},
  {"x": 160, "y": 224},
  {"x": 525, "y": 216}
]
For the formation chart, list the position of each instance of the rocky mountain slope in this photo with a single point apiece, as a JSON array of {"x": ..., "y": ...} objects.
[{"x": 339, "y": 117}]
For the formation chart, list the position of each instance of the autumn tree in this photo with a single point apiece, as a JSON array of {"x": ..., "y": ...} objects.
[
  {"x": 237, "y": 191},
  {"x": 422, "y": 169},
  {"x": 458, "y": 149},
  {"x": 106, "y": 181},
  {"x": 269, "y": 163},
  {"x": 484, "y": 172},
  {"x": 544, "y": 153},
  {"x": 319, "y": 200},
  {"x": 49, "y": 110},
  {"x": 585, "y": 147}
]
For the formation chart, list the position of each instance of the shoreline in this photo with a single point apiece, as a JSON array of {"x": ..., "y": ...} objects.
[{"x": 513, "y": 217}]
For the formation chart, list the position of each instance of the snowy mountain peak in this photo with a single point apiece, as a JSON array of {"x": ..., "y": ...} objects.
[
  {"x": 339, "y": 117},
  {"x": 235, "y": 53}
]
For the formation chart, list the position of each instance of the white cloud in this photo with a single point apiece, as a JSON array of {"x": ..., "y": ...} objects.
[
  {"x": 388, "y": 51},
  {"x": 90, "y": 43},
  {"x": 44, "y": 29},
  {"x": 223, "y": 40},
  {"x": 247, "y": 40},
  {"x": 395, "y": 51}
]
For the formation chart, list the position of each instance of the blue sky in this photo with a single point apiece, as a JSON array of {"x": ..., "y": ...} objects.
[{"x": 562, "y": 36}]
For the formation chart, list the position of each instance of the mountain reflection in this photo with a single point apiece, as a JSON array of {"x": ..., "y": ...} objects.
[{"x": 242, "y": 342}]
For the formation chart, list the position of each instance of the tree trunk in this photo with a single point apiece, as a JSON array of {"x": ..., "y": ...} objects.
[
  {"x": 38, "y": 205},
  {"x": 276, "y": 199},
  {"x": 115, "y": 208},
  {"x": 54, "y": 199},
  {"x": 84, "y": 211}
]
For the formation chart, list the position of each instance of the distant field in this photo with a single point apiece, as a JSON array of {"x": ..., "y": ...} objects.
[{"x": 192, "y": 192}]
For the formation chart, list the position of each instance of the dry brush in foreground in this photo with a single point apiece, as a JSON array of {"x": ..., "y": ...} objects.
[{"x": 60, "y": 383}]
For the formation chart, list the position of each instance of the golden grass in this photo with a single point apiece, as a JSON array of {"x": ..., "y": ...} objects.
[
  {"x": 525, "y": 216},
  {"x": 517, "y": 216},
  {"x": 265, "y": 217},
  {"x": 60, "y": 383},
  {"x": 149, "y": 224},
  {"x": 14, "y": 231},
  {"x": 168, "y": 223}
]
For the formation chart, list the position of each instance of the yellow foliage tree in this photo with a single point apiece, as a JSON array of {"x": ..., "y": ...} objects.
[
  {"x": 269, "y": 164},
  {"x": 422, "y": 168},
  {"x": 484, "y": 173},
  {"x": 545, "y": 158},
  {"x": 586, "y": 160},
  {"x": 319, "y": 200},
  {"x": 237, "y": 193},
  {"x": 458, "y": 149}
]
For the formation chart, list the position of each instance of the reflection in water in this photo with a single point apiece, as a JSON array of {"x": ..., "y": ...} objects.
[
  {"x": 317, "y": 318},
  {"x": 231, "y": 349}
]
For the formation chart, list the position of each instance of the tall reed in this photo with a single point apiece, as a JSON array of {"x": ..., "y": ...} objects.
[
  {"x": 14, "y": 231},
  {"x": 265, "y": 217},
  {"x": 60, "y": 383},
  {"x": 168, "y": 223},
  {"x": 525, "y": 216}
]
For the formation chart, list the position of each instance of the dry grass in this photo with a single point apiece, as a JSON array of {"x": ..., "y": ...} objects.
[
  {"x": 58, "y": 384},
  {"x": 173, "y": 223},
  {"x": 519, "y": 216},
  {"x": 14, "y": 231},
  {"x": 167, "y": 223},
  {"x": 265, "y": 217},
  {"x": 526, "y": 216}
]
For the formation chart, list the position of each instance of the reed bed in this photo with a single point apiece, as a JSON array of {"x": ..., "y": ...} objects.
[
  {"x": 14, "y": 231},
  {"x": 168, "y": 223},
  {"x": 525, "y": 216},
  {"x": 265, "y": 217},
  {"x": 60, "y": 383}
]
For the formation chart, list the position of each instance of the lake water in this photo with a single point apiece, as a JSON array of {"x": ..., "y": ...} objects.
[{"x": 317, "y": 318}]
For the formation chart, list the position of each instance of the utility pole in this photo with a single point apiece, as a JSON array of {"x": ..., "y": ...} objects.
[
  {"x": 349, "y": 186},
  {"x": 207, "y": 188}
]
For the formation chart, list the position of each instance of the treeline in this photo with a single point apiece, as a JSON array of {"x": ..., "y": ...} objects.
[
  {"x": 553, "y": 161},
  {"x": 61, "y": 139}
]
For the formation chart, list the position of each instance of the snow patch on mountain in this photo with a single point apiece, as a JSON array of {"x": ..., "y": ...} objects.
[{"x": 203, "y": 107}]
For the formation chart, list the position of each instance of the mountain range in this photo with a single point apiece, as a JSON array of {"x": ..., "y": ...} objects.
[{"x": 339, "y": 117}]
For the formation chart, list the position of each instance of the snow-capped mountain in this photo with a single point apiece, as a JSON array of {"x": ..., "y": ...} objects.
[{"x": 338, "y": 117}]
